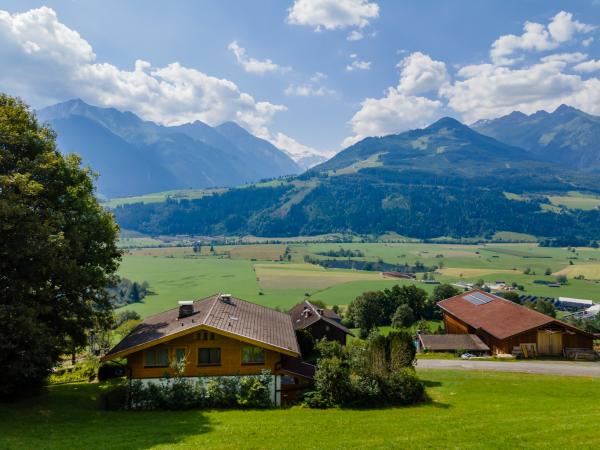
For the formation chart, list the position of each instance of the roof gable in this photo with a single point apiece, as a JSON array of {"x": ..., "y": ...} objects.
[
  {"x": 305, "y": 314},
  {"x": 497, "y": 316},
  {"x": 237, "y": 318}
]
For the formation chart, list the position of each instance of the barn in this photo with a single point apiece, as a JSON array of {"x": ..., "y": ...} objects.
[{"x": 503, "y": 325}]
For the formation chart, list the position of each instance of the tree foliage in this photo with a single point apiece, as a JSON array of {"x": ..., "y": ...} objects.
[{"x": 57, "y": 251}]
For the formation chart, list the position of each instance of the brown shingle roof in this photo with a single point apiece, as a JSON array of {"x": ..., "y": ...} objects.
[
  {"x": 305, "y": 314},
  {"x": 499, "y": 317},
  {"x": 453, "y": 342},
  {"x": 264, "y": 326}
]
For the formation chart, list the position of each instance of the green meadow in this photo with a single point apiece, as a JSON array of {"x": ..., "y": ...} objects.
[
  {"x": 469, "y": 410},
  {"x": 262, "y": 273}
]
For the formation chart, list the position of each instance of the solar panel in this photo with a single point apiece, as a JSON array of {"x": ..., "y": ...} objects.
[{"x": 477, "y": 298}]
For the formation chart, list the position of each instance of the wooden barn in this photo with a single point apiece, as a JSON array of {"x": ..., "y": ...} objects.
[{"x": 503, "y": 325}]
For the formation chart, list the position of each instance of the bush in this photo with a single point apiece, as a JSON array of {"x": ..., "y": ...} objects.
[{"x": 179, "y": 393}]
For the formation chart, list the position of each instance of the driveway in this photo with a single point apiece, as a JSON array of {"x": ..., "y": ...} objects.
[{"x": 580, "y": 368}]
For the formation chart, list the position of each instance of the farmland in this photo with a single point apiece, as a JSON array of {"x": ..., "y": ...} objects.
[
  {"x": 276, "y": 274},
  {"x": 469, "y": 409}
]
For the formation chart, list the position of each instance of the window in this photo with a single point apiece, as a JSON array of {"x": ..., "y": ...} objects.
[
  {"x": 253, "y": 355},
  {"x": 205, "y": 336},
  {"x": 180, "y": 355},
  {"x": 156, "y": 357},
  {"x": 209, "y": 356}
]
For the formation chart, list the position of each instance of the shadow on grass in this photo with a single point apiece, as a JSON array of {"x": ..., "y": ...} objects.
[{"x": 71, "y": 416}]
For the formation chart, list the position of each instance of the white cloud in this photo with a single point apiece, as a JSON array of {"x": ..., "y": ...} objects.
[
  {"x": 317, "y": 77},
  {"x": 253, "y": 65},
  {"x": 354, "y": 35},
  {"x": 50, "y": 62},
  {"x": 393, "y": 113},
  {"x": 565, "y": 57},
  {"x": 308, "y": 90},
  {"x": 421, "y": 74},
  {"x": 588, "y": 66},
  {"x": 357, "y": 64},
  {"x": 304, "y": 155},
  {"x": 487, "y": 91},
  {"x": 332, "y": 14},
  {"x": 587, "y": 42},
  {"x": 537, "y": 37}
]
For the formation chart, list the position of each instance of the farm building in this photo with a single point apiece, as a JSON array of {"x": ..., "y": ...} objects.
[
  {"x": 503, "y": 325},
  {"x": 320, "y": 322},
  {"x": 217, "y": 336}
]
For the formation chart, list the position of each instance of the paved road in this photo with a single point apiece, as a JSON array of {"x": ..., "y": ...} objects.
[{"x": 580, "y": 368}]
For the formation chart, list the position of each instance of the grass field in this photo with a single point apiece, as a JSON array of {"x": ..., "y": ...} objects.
[
  {"x": 576, "y": 200},
  {"x": 468, "y": 410},
  {"x": 158, "y": 197},
  {"x": 254, "y": 271}
]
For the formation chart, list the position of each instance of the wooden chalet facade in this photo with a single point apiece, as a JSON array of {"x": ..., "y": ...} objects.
[
  {"x": 216, "y": 336},
  {"x": 503, "y": 325},
  {"x": 320, "y": 322}
]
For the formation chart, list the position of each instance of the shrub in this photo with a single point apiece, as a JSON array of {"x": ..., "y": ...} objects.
[{"x": 254, "y": 392}]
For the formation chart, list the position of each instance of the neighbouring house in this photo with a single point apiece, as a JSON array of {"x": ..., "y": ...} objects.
[
  {"x": 217, "y": 336},
  {"x": 503, "y": 325},
  {"x": 451, "y": 343},
  {"x": 319, "y": 322},
  {"x": 573, "y": 304}
]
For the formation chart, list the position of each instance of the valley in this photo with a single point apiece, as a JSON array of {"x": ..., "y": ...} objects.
[{"x": 262, "y": 272}]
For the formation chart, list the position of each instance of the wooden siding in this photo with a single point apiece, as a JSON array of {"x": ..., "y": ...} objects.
[
  {"x": 321, "y": 329},
  {"x": 231, "y": 358},
  {"x": 454, "y": 325},
  {"x": 570, "y": 338}
]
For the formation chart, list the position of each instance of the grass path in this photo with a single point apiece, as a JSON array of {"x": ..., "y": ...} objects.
[{"x": 468, "y": 410}]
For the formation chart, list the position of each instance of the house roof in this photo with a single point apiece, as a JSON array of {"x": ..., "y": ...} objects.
[
  {"x": 497, "y": 316},
  {"x": 305, "y": 314},
  {"x": 230, "y": 316},
  {"x": 453, "y": 342}
]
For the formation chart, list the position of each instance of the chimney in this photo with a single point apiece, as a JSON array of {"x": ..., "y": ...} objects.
[
  {"x": 226, "y": 298},
  {"x": 186, "y": 308}
]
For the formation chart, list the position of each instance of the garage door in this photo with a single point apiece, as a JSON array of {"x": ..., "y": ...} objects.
[{"x": 549, "y": 342}]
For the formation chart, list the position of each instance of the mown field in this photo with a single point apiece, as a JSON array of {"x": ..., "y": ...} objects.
[
  {"x": 266, "y": 274},
  {"x": 467, "y": 410}
]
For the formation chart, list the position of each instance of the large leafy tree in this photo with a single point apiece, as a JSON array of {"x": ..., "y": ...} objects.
[{"x": 57, "y": 251}]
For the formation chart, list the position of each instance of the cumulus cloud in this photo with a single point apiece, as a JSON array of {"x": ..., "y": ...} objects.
[
  {"x": 537, "y": 37},
  {"x": 487, "y": 91},
  {"x": 391, "y": 114},
  {"x": 332, "y": 14},
  {"x": 588, "y": 66},
  {"x": 304, "y": 155},
  {"x": 357, "y": 64},
  {"x": 354, "y": 35},
  {"x": 307, "y": 90},
  {"x": 51, "y": 62},
  {"x": 253, "y": 65},
  {"x": 421, "y": 74}
]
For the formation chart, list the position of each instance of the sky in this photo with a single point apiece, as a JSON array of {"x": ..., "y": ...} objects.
[{"x": 311, "y": 76}]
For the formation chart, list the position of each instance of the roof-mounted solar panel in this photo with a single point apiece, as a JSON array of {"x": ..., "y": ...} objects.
[{"x": 477, "y": 298}]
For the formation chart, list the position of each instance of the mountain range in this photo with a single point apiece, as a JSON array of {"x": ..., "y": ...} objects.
[
  {"x": 447, "y": 179},
  {"x": 566, "y": 136},
  {"x": 135, "y": 157}
]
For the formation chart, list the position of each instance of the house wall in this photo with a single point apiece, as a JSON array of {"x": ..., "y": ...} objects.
[
  {"x": 454, "y": 325},
  {"x": 231, "y": 358},
  {"x": 321, "y": 329}
]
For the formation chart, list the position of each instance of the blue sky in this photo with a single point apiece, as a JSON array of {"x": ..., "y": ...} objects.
[{"x": 309, "y": 75}]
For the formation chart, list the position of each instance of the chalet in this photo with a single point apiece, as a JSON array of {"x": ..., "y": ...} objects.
[
  {"x": 503, "y": 325},
  {"x": 217, "y": 336},
  {"x": 320, "y": 322}
]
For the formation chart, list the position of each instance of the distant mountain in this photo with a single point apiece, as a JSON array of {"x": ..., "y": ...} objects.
[
  {"x": 443, "y": 180},
  {"x": 446, "y": 145},
  {"x": 134, "y": 157},
  {"x": 566, "y": 136}
]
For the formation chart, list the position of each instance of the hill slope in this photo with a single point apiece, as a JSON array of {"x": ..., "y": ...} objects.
[
  {"x": 135, "y": 157},
  {"x": 444, "y": 180},
  {"x": 567, "y": 135}
]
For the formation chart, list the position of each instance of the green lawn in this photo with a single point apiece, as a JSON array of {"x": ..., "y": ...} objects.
[{"x": 468, "y": 410}]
